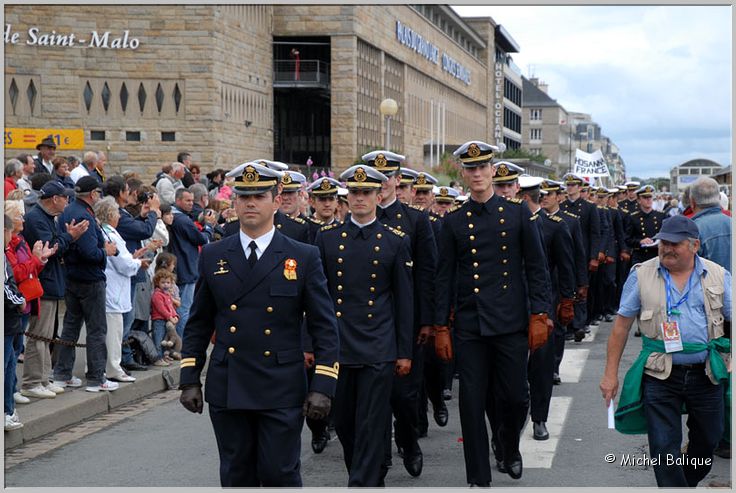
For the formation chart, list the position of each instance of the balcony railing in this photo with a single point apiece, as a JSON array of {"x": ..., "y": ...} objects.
[{"x": 305, "y": 73}]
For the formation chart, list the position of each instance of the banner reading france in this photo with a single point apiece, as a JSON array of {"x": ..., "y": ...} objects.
[{"x": 590, "y": 164}]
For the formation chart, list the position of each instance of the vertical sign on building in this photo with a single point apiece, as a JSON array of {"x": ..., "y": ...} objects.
[{"x": 498, "y": 102}]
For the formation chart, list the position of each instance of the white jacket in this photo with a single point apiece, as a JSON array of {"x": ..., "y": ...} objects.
[{"x": 119, "y": 270}]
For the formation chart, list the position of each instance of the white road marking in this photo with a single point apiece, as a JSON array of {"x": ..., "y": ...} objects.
[
  {"x": 539, "y": 454},
  {"x": 572, "y": 364}
]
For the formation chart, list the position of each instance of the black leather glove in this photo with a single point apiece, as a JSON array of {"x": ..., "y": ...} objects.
[
  {"x": 191, "y": 399},
  {"x": 316, "y": 406}
]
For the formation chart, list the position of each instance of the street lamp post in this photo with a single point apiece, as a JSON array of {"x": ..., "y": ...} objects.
[{"x": 388, "y": 108}]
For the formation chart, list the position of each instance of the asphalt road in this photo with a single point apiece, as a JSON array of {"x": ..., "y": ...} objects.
[{"x": 167, "y": 446}]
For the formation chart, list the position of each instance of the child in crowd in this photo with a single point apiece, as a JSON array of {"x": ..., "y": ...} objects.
[
  {"x": 167, "y": 261},
  {"x": 162, "y": 310}
]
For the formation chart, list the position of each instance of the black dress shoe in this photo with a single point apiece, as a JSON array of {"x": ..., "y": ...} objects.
[
  {"x": 579, "y": 335},
  {"x": 441, "y": 415},
  {"x": 414, "y": 463},
  {"x": 514, "y": 468},
  {"x": 319, "y": 442},
  {"x": 422, "y": 433},
  {"x": 609, "y": 318},
  {"x": 501, "y": 466},
  {"x": 540, "y": 430},
  {"x": 133, "y": 366},
  {"x": 556, "y": 380},
  {"x": 447, "y": 395}
]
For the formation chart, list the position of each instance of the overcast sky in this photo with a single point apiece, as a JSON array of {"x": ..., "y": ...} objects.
[{"x": 657, "y": 79}]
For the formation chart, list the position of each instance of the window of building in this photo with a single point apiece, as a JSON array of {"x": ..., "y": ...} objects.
[
  {"x": 96, "y": 135},
  {"x": 535, "y": 134},
  {"x": 168, "y": 136},
  {"x": 133, "y": 136},
  {"x": 535, "y": 115}
]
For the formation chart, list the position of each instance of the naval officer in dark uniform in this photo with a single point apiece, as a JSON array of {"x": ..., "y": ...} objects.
[
  {"x": 415, "y": 223},
  {"x": 495, "y": 248},
  {"x": 405, "y": 190},
  {"x": 630, "y": 203},
  {"x": 643, "y": 224},
  {"x": 559, "y": 253},
  {"x": 590, "y": 228},
  {"x": 253, "y": 291},
  {"x": 369, "y": 271}
]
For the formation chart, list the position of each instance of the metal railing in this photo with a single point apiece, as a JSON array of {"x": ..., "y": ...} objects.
[{"x": 303, "y": 72}]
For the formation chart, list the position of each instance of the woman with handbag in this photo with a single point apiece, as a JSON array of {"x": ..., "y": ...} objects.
[{"x": 26, "y": 264}]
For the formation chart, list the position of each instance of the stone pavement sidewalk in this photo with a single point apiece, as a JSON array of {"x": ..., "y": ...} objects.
[{"x": 43, "y": 416}]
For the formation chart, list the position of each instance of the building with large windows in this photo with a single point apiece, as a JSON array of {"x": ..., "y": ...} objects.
[
  {"x": 682, "y": 175},
  {"x": 235, "y": 82}
]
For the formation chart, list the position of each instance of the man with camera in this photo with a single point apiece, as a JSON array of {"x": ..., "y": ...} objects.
[{"x": 133, "y": 230}]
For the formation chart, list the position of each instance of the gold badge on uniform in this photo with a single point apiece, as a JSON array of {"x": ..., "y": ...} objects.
[
  {"x": 250, "y": 174},
  {"x": 360, "y": 175},
  {"x": 380, "y": 161},
  {"x": 421, "y": 179},
  {"x": 502, "y": 170},
  {"x": 290, "y": 269},
  {"x": 443, "y": 192},
  {"x": 473, "y": 150},
  {"x": 222, "y": 270},
  {"x": 286, "y": 180},
  {"x": 325, "y": 185}
]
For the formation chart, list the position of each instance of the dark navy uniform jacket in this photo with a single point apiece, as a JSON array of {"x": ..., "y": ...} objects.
[
  {"x": 606, "y": 244},
  {"x": 369, "y": 272},
  {"x": 416, "y": 224},
  {"x": 589, "y": 224},
  {"x": 559, "y": 253},
  {"x": 643, "y": 225},
  {"x": 495, "y": 248},
  {"x": 579, "y": 257},
  {"x": 256, "y": 314},
  {"x": 629, "y": 206},
  {"x": 619, "y": 237}
]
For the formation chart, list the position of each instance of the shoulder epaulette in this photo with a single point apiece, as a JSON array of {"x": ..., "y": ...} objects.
[
  {"x": 297, "y": 219},
  {"x": 231, "y": 219},
  {"x": 634, "y": 213},
  {"x": 329, "y": 226},
  {"x": 515, "y": 201},
  {"x": 454, "y": 208},
  {"x": 556, "y": 219},
  {"x": 315, "y": 221},
  {"x": 396, "y": 231},
  {"x": 432, "y": 218},
  {"x": 534, "y": 217},
  {"x": 416, "y": 207},
  {"x": 571, "y": 214}
]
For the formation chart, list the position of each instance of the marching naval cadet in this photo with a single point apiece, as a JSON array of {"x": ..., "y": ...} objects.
[
  {"x": 253, "y": 291},
  {"x": 559, "y": 254},
  {"x": 643, "y": 224},
  {"x": 323, "y": 199},
  {"x": 494, "y": 247},
  {"x": 444, "y": 199},
  {"x": 405, "y": 190},
  {"x": 293, "y": 186},
  {"x": 423, "y": 191},
  {"x": 416, "y": 224},
  {"x": 606, "y": 242},
  {"x": 342, "y": 204},
  {"x": 630, "y": 203},
  {"x": 590, "y": 228},
  {"x": 621, "y": 255},
  {"x": 550, "y": 204},
  {"x": 369, "y": 272}
]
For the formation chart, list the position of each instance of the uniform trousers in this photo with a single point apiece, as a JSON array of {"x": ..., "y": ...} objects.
[
  {"x": 258, "y": 447},
  {"x": 606, "y": 285},
  {"x": 491, "y": 364},
  {"x": 435, "y": 374},
  {"x": 540, "y": 369},
  {"x": 362, "y": 403},
  {"x": 405, "y": 403},
  {"x": 559, "y": 343},
  {"x": 622, "y": 272}
]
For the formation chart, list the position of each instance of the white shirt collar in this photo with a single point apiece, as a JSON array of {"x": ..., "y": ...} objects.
[
  {"x": 262, "y": 242},
  {"x": 388, "y": 205},
  {"x": 359, "y": 224}
]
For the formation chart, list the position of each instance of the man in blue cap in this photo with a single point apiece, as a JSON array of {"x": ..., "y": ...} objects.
[
  {"x": 369, "y": 273},
  {"x": 254, "y": 289},
  {"x": 493, "y": 248},
  {"x": 680, "y": 301}
]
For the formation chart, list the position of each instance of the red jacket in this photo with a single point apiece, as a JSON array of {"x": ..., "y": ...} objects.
[
  {"x": 10, "y": 185},
  {"x": 162, "y": 306}
]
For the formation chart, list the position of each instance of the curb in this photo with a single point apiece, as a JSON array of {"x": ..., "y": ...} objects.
[{"x": 44, "y": 416}]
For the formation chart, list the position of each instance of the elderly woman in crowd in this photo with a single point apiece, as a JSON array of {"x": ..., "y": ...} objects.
[
  {"x": 61, "y": 172},
  {"x": 13, "y": 173},
  {"x": 119, "y": 270},
  {"x": 27, "y": 263}
]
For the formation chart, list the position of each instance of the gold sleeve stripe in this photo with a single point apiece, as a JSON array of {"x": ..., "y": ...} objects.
[
  {"x": 334, "y": 370},
  {"x": 186, "y": 360},
  {"x": 326, "y": 373},
  {"x": 187, "y": 364}
]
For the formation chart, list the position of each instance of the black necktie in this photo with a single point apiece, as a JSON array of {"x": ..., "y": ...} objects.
[{"x": 252, "y": 258}]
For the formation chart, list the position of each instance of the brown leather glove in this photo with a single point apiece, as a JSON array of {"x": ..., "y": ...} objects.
[
  {"x": 308, "y": 360},
  {"x": 582, "y": 293},
  {"x": 424, "y": 332},
  {"x": 538, "y": 331},
  {"x": 565, "y": 311},
  {"x": 403, "y": 367},
  {"x": 610, "y": 260},
  {"x": 593, "y": 265},
  {"x": 625, "y": 256},
  {"x": 442, "y": 342},
  {"x": 601, "y": 257}
]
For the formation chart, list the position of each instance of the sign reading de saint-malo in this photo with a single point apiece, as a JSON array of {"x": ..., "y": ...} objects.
[{"x": 106, "y": 40}]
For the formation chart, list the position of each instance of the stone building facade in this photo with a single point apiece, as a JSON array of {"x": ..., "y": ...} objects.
[{"x": 147, "y": 81}]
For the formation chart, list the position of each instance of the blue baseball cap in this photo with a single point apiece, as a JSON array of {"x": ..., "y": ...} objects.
[
  {"x": 52, "y": 188},
  {"x": 677, "y": 228}
]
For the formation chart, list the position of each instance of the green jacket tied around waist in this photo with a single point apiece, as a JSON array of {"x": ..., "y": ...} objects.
[{"x": 629, "y": 417}]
